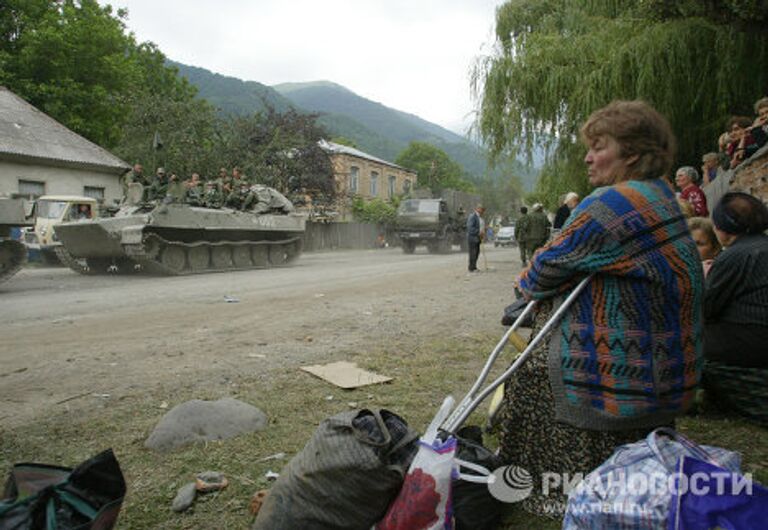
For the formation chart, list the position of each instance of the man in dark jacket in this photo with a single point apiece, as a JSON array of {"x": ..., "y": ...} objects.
[
  {"x": 561, "y": 216},
  {"x": 475, "y": 231}
]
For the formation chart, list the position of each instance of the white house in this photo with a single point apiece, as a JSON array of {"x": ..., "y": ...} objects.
[{"x": 39, "y": 156}]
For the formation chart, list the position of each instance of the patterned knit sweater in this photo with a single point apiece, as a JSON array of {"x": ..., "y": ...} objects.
[{"x": 628, "y": 353}]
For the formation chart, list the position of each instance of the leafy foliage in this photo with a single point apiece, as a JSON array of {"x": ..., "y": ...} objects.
[
  {"x": 279, "y": 149},
  {"x": 73, "y": 60},
  {"x": 559, "y": 60},
  {"x": 436, "y": 170},
  {"x": 375, "y": 210}
]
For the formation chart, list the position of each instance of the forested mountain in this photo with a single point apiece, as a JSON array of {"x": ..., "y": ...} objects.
[
  {"x": 229, "y": 94},
  {"x": 373, "y": 127}
]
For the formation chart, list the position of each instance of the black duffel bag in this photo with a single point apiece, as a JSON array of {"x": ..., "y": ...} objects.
[
  {"x": 474, "y": 508},
  {"x": 44, "y": 496},
  {"x": 513, "y": 311}
]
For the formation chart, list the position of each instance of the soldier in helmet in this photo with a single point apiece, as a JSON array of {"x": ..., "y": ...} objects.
[{"x": 159, "y": 186}]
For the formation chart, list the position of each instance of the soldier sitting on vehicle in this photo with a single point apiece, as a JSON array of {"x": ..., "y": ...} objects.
[
  {"x": 194, "y": 190},
  {"x": 237, "y": 197},
  {"x": 159, "y": 186},
  {"x": 176, "y": 190},
  {"x": 213, "y": 197}
]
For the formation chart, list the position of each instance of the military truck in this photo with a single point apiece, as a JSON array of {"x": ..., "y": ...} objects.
[
  {"x": 50, "y": 210},
  {"x": 437, "y": 221},
  {"x": 176, "y": 238},
  {"x": 13, "y": 254}
]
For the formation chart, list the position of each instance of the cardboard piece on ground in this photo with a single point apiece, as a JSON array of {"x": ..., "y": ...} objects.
[{"x": 345, "y": 374}]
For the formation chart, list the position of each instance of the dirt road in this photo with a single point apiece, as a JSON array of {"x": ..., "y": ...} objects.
[{"x": 67, "y": 339}]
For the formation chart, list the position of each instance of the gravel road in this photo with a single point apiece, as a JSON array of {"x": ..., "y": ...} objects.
[{"x": 67, "y": 338}]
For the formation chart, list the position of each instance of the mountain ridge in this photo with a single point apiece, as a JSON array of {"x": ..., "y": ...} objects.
[{"x": 374, "y": 128}]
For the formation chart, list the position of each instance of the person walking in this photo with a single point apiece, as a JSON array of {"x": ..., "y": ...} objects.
[
  {"x": 538, "y": 229},
  {"x": 521, "y": 234},
  {"x": 475, "y": 232}
]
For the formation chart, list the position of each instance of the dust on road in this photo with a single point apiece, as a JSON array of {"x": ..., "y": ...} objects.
[{"x": 69, "y": 339}]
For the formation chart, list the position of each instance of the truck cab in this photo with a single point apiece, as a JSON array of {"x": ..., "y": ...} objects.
[
  {"x": 439, "y": 223},
  {"x": 50, "y": 210}
]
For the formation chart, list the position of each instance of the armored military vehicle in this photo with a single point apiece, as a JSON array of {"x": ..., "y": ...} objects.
[
  {"x": 176, "y": 238},
  {"x": 439, "y": 222},
  {"x": 13, "y": 253}
]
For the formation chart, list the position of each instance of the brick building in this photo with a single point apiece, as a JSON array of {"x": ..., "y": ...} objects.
[{"x": 359, "y": 174}]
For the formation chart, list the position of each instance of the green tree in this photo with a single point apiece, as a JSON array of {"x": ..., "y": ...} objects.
[
  {"x": 435, "y": 169},
  {"x": 72, "y": 60},
  {"x": 556, "y": 61},
  {"x": 280, "y": 150}
]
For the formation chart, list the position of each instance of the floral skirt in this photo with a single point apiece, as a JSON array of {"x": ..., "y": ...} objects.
[{"x": 552, "y": 453}]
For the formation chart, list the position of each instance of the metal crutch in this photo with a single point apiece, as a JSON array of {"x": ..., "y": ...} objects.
[{"x": 475, "y": 396}]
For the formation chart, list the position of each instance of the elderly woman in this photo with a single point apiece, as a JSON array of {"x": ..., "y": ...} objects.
[
  {"x": 626, "y": 357},
  {"x": 686, "y": 179},
  {"x": 736, "y": 309}
]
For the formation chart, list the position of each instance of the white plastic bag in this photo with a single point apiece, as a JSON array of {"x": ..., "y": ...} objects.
[{"x": 424, "y": 502}]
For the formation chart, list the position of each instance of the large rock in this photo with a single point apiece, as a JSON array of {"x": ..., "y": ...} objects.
[{"x": 203, "y": 421}]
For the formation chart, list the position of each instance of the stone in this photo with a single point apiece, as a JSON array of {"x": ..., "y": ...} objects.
[
  {"x": 204, "y": 421},
  {"x": 185, "y": 497}
]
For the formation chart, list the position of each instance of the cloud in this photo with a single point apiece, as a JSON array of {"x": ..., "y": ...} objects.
[{"x": 414, "y": 55}]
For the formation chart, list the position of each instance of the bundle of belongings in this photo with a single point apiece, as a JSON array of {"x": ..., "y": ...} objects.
[{"x": 352, "y": 470}]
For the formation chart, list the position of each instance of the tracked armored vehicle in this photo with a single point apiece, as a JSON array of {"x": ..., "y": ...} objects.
[
  {"x": 177, "y": 238},
  {"x": 13, "y": 254}
]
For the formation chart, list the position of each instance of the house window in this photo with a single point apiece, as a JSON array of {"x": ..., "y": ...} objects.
[
  {"x": 406, "y": 185},
  {"x": 94, "y": 192},
  {"x": 31, "y": 188},
  {"x": 374, "y": 184},
  {"x": 354, "y": 174},
  {"x": 392, "y": 181}
]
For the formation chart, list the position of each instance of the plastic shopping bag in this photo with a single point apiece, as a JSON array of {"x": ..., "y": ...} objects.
[
  {"x": 424, "y": 502},
  {"x": 716, "y": 498}
]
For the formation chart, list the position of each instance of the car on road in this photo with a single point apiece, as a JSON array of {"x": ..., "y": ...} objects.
[{"x": 505, "y": 237}]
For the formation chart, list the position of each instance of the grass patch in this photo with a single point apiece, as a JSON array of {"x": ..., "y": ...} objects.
[{"x": 295, "y": 403}]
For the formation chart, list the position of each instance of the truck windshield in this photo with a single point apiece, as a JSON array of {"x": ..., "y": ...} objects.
[
  {"x": 419, "y": 206},
  {"x": 51, "y": 209}
]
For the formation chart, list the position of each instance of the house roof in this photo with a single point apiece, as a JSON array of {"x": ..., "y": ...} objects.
[
  {"x": 28, "y": 135},
  {"x": 335, "y": 148}
]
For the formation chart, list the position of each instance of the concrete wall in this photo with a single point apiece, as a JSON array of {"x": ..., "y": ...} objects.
[
  {"x": 58, "y": 181},
  {"x": 329, "y": 236}
]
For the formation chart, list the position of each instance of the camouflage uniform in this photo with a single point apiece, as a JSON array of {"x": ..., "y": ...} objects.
[
  {"x": 176, "y": 190},
  {"x": 522, "y": 227},
  {"x": 195, "y": 195},
  {"x": 213, "y": 197},
  {"x": 538, "y": 231}
]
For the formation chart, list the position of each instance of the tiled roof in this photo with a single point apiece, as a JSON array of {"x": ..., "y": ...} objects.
[
  {"x": 29, "y": 135},
  {"x": 335, "y": 148}
]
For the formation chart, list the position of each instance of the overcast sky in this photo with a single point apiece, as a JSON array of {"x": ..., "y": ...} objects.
[{"x": 411, "y": 55}]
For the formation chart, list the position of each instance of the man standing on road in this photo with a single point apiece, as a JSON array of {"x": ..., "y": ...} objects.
[
  {"x": 521, "y": 233},
  {"x": 538, "y": 229},
  {"x": 475, "y": 231}
]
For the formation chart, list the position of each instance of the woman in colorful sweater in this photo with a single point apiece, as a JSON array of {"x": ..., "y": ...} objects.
[{"x": 626, "y": 358}]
